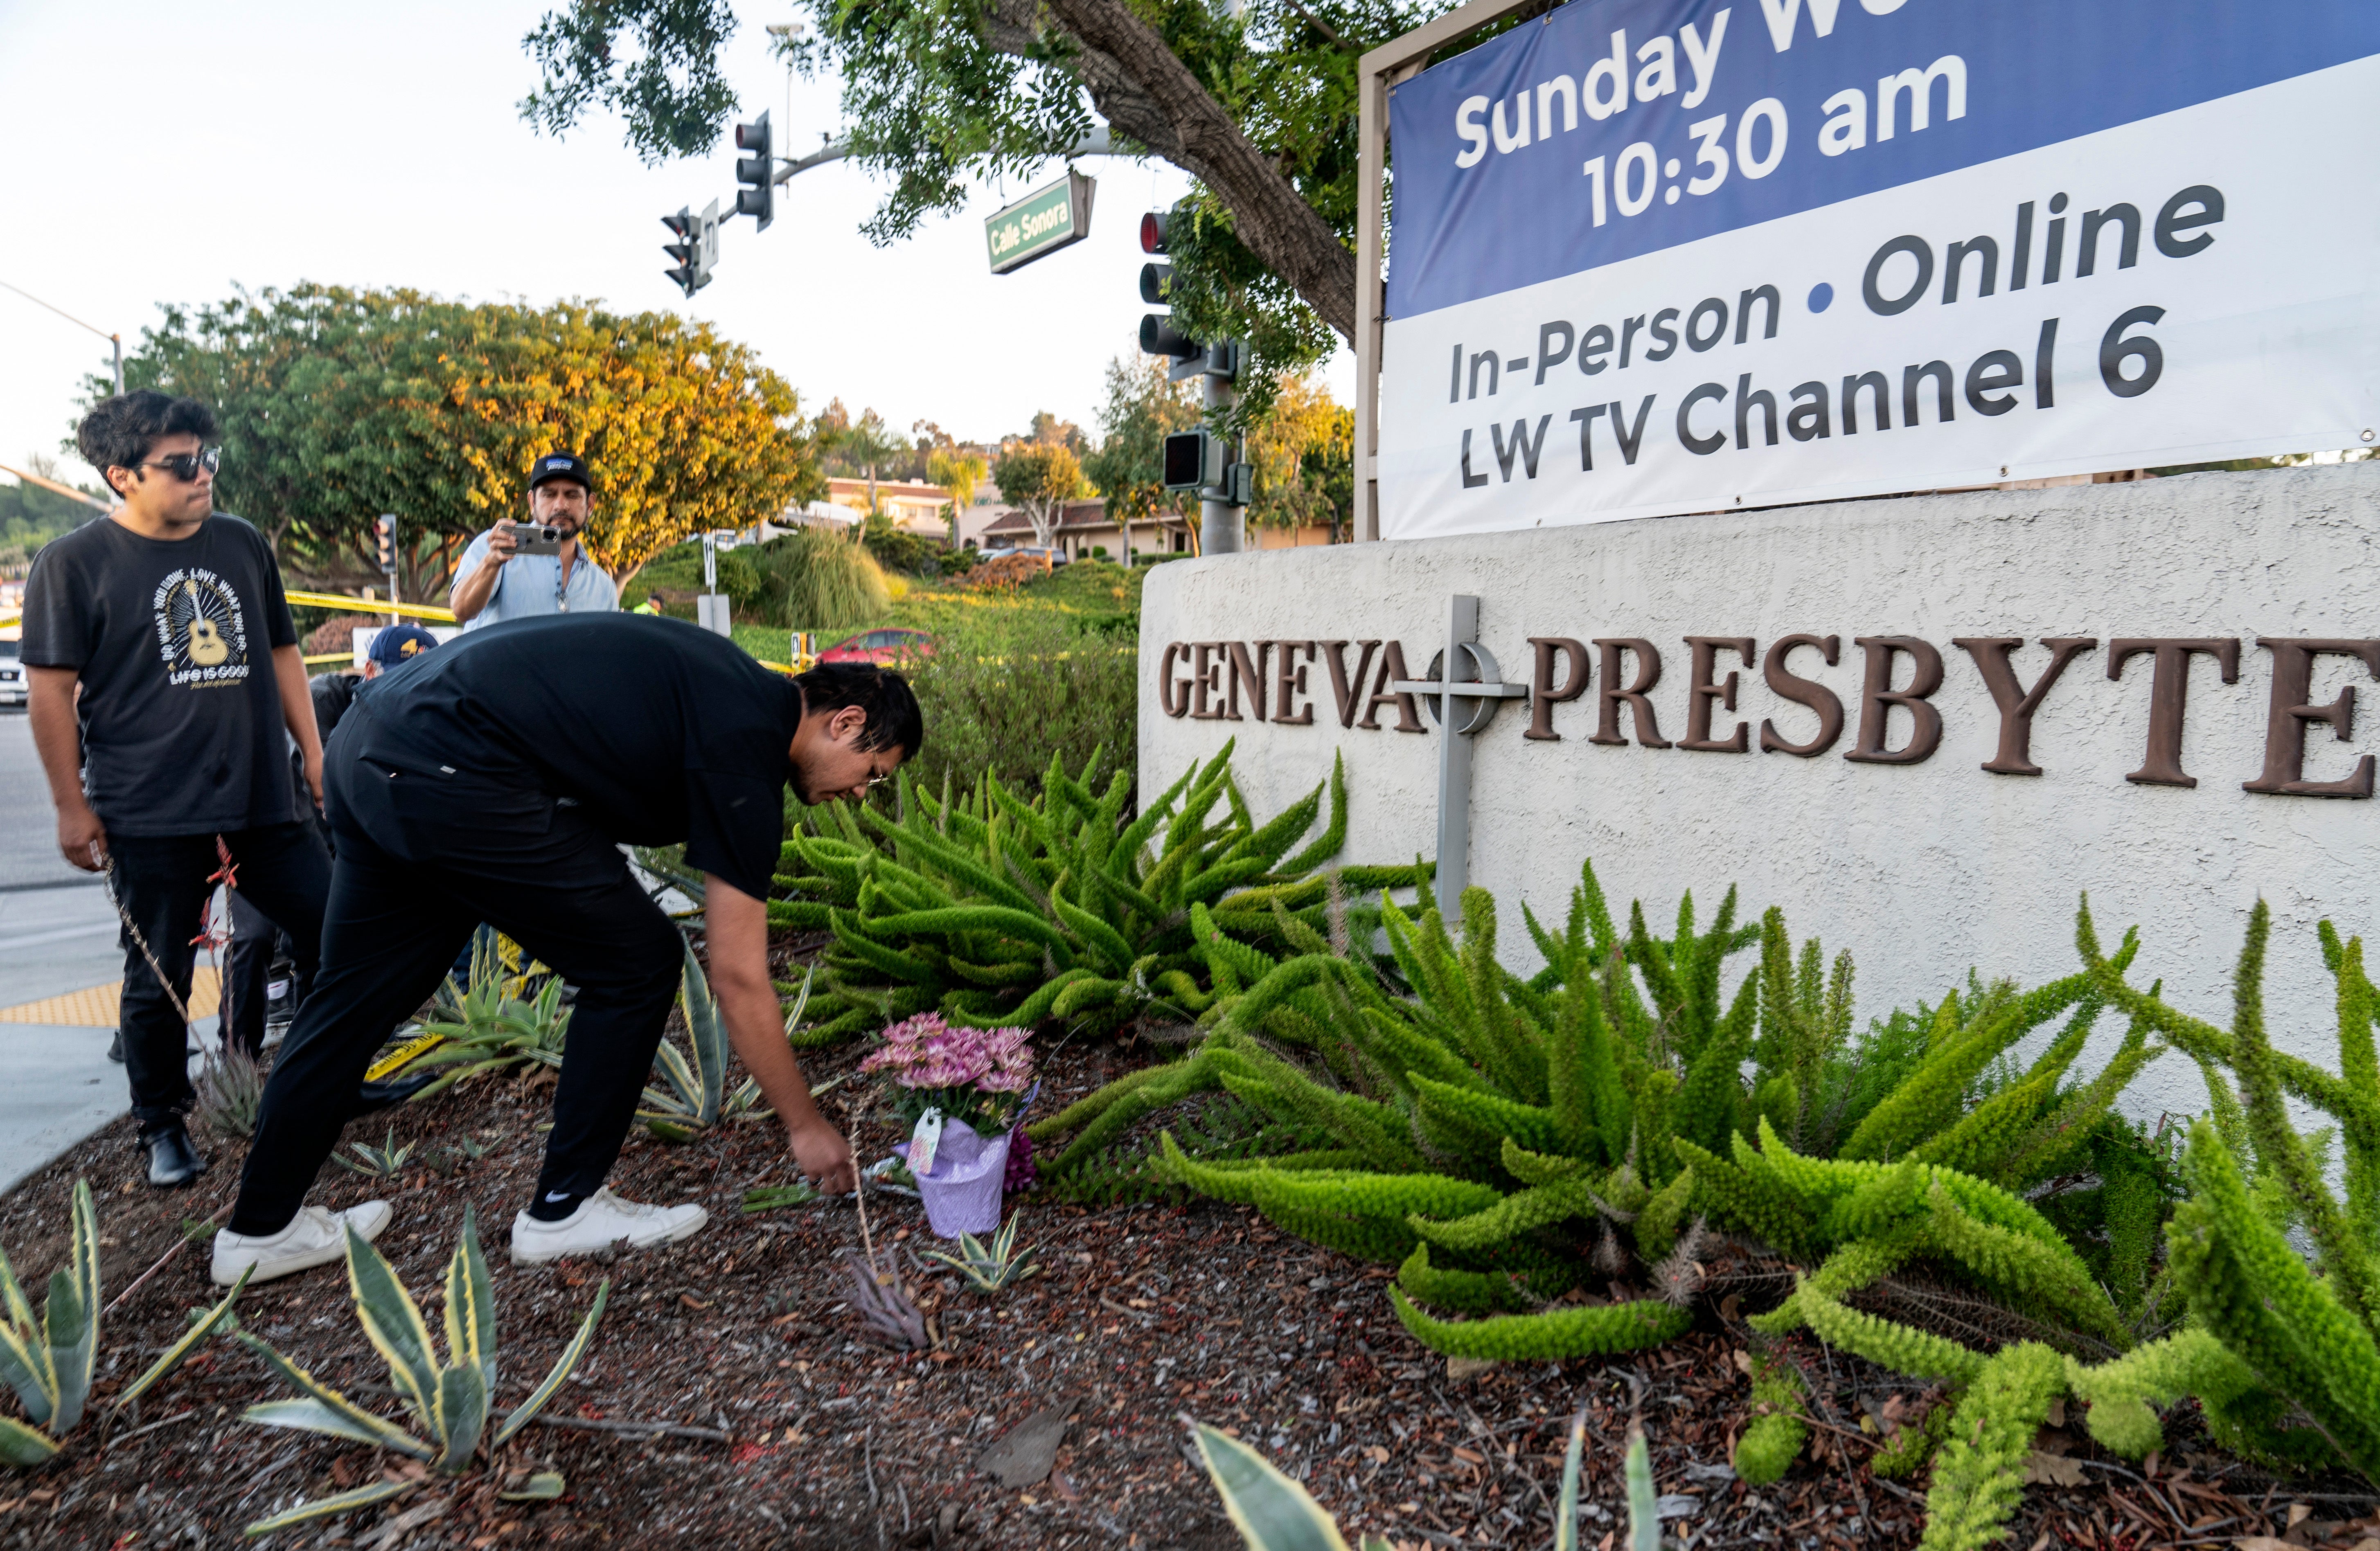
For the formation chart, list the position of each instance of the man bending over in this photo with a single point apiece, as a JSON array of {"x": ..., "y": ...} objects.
[{"x": 494, "y": 780}]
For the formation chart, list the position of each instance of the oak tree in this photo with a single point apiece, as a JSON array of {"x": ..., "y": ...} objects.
[{"x": 1039, "y": 477}]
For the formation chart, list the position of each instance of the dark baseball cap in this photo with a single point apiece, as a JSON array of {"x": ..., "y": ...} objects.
[
  {"x": 562, "y": 466},
  {"x": 400, "y": 643}
]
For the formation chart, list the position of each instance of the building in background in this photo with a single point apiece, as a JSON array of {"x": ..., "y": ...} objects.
[{"x": 1085, "y": 527}]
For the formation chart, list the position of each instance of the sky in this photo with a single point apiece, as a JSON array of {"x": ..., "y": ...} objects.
[{"x": 154, "y": 153}]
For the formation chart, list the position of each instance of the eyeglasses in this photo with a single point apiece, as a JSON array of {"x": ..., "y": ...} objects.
[{"x": 184, "y": 466}]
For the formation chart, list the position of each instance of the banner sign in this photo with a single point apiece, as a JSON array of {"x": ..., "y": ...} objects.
[{"x": 1659, "y": 256}]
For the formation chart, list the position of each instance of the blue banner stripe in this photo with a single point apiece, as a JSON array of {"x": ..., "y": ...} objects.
[{"x": 1996, "y": 77}]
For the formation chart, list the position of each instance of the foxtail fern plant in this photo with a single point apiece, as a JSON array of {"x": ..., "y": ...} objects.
[
  {"x": 996, "y": 911},
  {"x": 2283, "y": 1352},
  {"x": 2283, "y": 1355},
  {"x": 1498, "y": 1138}
]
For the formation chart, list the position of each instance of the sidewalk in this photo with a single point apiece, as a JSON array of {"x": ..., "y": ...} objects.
[{"x": 61, "y": 1087}]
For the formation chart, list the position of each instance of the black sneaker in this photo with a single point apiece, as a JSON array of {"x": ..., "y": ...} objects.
[
  {"x": 115, "y": 1047},
  {"x": 173, "y": 1162}
]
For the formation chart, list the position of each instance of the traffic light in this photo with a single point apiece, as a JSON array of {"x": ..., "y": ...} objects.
[
  {"x": 686, "y": 251},
  {"x": 755, "y": 174},
  {"x": 1158, "y": 335},
  {"x": 1194, "y": 460},
  {"x": 385, "y": 537},
  {"x": 697, "y": 248}
]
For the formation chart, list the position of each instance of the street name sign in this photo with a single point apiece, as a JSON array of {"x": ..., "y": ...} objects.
[
  {"x": 1041, "y": 223},
  {"x": 1652, "y": 257}
]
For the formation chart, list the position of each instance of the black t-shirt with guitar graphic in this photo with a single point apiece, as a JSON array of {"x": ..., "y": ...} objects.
[{"x": 181, "y": 714}]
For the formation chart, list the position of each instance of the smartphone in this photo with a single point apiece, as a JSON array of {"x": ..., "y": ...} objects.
[{"x": 537, "y": 538}]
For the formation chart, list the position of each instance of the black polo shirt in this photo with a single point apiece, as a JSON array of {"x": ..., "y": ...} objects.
[{"x": 658, "y": 731}]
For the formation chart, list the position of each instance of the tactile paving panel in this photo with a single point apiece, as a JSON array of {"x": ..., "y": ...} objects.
[{"x": 97, "y": 1006}]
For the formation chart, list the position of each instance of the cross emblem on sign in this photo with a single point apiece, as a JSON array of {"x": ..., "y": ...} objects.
[{"x": 1462, "y": 671}]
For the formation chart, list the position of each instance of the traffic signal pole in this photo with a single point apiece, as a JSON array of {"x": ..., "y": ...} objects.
[
  {"x": 1223, "y": 527},
  {"x": 1199, "y": 460},
  {"x": 384, "y": 539}
]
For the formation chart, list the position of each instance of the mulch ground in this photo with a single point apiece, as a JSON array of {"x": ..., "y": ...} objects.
[{"x": 797, "y": 1429}]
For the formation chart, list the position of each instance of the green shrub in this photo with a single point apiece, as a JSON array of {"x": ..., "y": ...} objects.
[
  {"x": 1779, "y": 1424},
  {"x": 814, "y": 578},
  {"x": 1010, "y": 686},
  {"x": 995, "y": 910},
  {"x": 897, "y": 549}
]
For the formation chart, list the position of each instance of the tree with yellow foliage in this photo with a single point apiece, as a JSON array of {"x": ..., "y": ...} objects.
[
  {"x": 1304, "y": 451},
  {"x": 337, "y": 404}
]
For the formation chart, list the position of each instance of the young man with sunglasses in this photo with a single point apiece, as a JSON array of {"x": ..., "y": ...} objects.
[
  {"x": 166, "y": 682},
  {"x": 495, "y": 780}
]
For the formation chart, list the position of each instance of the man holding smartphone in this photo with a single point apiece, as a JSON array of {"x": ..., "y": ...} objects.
[{"x": 517, "y": 571}]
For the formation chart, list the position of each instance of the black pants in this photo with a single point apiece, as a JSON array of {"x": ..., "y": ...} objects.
[
  {"x": 423, "y": 858},
  {"x": 162, "y": 883},
  {"x": 255, "y": 948}
]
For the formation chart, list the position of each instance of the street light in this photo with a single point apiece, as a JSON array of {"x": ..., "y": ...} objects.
[{"x": 115, "y": 340}]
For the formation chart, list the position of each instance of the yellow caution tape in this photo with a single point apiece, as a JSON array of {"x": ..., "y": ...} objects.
[
  {"x": 396, "y": 1059},
  {"x": 371, "y": 606}
]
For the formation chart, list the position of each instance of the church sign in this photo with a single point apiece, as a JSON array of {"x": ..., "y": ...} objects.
[
  {"x": 1660, "y": 256},
  {"x": 1925, "y": 726}
]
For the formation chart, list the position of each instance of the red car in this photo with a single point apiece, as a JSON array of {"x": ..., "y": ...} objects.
[{"x": 885, "y": 647}]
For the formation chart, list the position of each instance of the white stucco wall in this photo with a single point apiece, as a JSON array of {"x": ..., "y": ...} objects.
[{"x": 1919, "y": 870}]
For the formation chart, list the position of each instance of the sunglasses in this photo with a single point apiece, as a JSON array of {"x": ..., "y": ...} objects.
[{"x": 184, "y": 466}]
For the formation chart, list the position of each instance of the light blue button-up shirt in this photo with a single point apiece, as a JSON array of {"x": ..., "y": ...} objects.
[{"x": 533, "y": 584}]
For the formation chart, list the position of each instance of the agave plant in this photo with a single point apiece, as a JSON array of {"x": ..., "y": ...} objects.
[
  {"x": 489, "y": 1024},
  {"x": 50, "y": 1363},
  {"x": 993, "y": 1268},
  {"x": 694, "y": 1097},
  {"x": 450, "y": 1402},
  {"x": 230, "y": 1090},
  {"x": 384, "y": 1162},
  {"x": 1274, "y": 1513}
]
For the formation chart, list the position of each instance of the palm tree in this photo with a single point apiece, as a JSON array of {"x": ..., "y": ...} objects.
[
  {"x": 869, "y": 444},
  {"x": 959, "y": 474}
]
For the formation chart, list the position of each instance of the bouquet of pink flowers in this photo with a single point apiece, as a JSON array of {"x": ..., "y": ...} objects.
[{"x": 971, "y": 1074}]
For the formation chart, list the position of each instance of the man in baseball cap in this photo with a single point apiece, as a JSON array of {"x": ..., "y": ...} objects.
[
  {"x": 395, "y": 647},
  {"x": 519, "y": 572}
]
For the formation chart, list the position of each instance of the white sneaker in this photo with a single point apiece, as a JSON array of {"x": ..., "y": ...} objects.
[
  {"x": 602, "y": 1219},
  {"x": 314, "y": 1237}
]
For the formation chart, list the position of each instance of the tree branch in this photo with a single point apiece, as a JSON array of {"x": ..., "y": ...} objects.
[{"x": 1143, "y": 89}]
